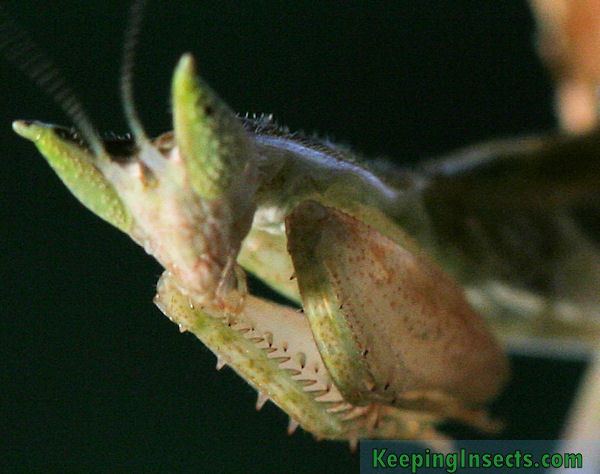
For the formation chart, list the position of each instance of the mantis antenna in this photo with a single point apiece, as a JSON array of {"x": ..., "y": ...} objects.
[
  {"x": 18, "y": 48},
  {"x": 136, "y": 15}
]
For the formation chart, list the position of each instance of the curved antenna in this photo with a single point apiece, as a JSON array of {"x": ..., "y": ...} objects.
[
  {"x": 18, "y": 48},
  {"x": 132, "y": 34}
]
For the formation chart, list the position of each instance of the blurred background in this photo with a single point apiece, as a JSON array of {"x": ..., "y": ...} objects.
[{"x": 92, "y": 375}]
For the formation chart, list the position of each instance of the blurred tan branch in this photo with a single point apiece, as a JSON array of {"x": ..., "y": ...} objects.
[{"x": 569, "y": 43}]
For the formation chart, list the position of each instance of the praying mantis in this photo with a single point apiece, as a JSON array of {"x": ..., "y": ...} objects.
[{"x": 337, "y": 206}]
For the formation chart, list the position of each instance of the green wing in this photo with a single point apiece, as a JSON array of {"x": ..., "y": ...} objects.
[{"x": 515, "y": 222}]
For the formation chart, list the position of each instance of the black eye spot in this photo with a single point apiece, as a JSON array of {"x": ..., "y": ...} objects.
[
  {"x": 120, "y": 148},
  {"x": 208, "y": 110}
]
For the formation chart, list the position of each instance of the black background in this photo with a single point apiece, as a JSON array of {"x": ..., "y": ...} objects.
[{"x": 92, "y": 376}]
